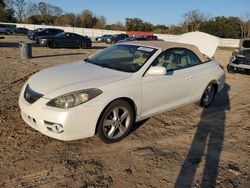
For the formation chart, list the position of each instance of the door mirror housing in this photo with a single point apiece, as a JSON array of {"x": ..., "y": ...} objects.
[{"x": 156, "y": 70}]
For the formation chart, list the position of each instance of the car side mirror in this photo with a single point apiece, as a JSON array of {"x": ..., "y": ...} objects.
[{"x": 156, "y": 70}]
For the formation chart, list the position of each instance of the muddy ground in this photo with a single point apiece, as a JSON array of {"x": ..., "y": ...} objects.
[{"x": 186, "y": 147}]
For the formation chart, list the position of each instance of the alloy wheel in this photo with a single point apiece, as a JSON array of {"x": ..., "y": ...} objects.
[
  {"x": 208, "y": 95},
  {"x": 116, "y": 122}
]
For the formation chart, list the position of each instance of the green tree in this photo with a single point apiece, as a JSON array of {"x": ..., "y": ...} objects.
[
  {"x": 137, "y": 24},
  {"x": 118, "y": 26},
  {"x": 6, "y": 14},
  {"x": 224, "y": 27},
  {"x": 161, "y": 29}
]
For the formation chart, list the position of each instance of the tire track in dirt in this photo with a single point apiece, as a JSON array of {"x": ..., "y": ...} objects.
[{"x": 4, "y": 88}]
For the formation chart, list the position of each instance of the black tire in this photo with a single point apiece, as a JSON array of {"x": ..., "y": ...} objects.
[
  {"x": 7, "y": 32},
  {"x": 83, "y": 45},
  {"x": 230, "y": 69},
  {"x": 116, "y": 127},
  {"x": 208, "y": 95},
  {"x": 51, "y": 44}
]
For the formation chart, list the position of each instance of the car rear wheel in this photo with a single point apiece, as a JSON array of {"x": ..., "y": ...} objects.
[
  {"x": 230, "y": 69},
  {"x": 116, "y": 121},
  {"x": 208, "y": 96},
  {"x": 83, "y": 45},
  {"x": 51, "y": 44}
]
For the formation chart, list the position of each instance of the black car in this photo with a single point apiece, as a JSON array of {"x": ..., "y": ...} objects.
[
  {"x": 45, "y": 33},
  {"x": 6, "y": 29},
  {"x": 30, "y": 33},
  {"x": 65, "y": 40},
  {"x": 240, "y": 60},
  {"x": 102, "y": 38},
  {"x": 113, "y": 39},
  {"x": 133, "y": 39},
  {"x": 21, "y": 30}
]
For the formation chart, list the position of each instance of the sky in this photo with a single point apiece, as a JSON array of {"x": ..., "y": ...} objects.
[{"x": 155, "y": 11}]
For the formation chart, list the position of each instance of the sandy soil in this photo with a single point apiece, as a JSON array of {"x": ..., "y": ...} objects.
[{"x": 186, "y": 147}]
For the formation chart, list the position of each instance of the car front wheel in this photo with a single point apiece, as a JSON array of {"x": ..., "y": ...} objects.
[
  {"x": 83, "y": 45},
  {"x": 51, "y": 44},
  {"x": 7, "y": 32},
  {"x": 116, "y": 121},
  {"x": 208, "y": 96}
]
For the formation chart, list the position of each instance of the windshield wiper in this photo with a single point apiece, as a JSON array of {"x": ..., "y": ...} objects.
[
  {"x": 106, "y": 65},
  {"x": 103, "y": 65}
]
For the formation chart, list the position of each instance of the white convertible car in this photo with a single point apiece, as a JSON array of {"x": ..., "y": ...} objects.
[{"x": 125, "y": 83}]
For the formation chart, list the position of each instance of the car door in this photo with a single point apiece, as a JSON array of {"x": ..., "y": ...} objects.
[
  {"x": 74, "y": 40},
  {"x": 67, "y": 40},
  {"x": 161, "y": 93},
  {"x": 64, "y": 40}
]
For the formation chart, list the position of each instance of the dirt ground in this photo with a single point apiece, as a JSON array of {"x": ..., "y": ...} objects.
[{"x": 186, "y": 147}]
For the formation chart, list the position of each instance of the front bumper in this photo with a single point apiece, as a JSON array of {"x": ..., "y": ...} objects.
[
  {"x": 62, "y": 124},
  {"x": 239, "y": 64},
  {"x": 43, "y": 43},
  {"x": 240, "y": 67}
]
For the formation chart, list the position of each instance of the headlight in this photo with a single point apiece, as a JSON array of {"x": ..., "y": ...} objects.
[
  {"x": 42, "y": 41},
  {"x": 73, "y": 99}
]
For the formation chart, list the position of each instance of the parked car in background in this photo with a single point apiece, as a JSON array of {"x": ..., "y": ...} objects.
[
  {"x": 151, "y": 37},
  {"x": 45, "y": 33},
  {"x": 114, "y": 38},
  {"x": 21, "y": 30},
  {"x": 65, "y": 39},
  {"x": 102, "y": 38},
  {"x": 125, "y": 83},
  {"x": 6, "y": 29},
  {"x": 133, "y": 39},
  {"x": 240, "y": 60},
  {"x": 30, "y": 33}
]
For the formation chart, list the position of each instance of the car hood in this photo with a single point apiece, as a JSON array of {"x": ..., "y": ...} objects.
[
  {"x": 74, "y": 76},
  {"x": 207, "y": 44}
]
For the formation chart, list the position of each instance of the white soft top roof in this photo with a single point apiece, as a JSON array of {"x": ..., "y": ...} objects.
[
  {"x": 168, "y": 45},
  {"x": 207, "y": 44}
]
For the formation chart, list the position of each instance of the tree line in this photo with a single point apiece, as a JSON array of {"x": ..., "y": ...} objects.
[{"x": 21, "y": 11}]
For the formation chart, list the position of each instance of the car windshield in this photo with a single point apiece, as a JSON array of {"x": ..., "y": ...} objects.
[{"x": 126, "y": 58}]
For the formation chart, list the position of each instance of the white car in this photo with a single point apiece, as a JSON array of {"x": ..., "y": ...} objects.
[{"x": 108, "y": 92}]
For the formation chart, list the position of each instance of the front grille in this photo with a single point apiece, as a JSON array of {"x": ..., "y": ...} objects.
[
  {"x": 30, "y": 95},
  {"x": 242, "y": 60}
]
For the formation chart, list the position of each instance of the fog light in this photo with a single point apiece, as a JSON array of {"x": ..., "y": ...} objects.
[
  {"x": 54, "y": 127},
  {"x": 57, "y": 128}
]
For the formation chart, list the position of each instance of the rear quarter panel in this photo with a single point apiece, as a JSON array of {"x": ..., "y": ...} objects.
[{"x": 204, "y": 74}]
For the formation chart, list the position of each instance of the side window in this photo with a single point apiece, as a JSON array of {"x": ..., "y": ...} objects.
[
  {"x": 53, "y": 32},
  {"x": 192, "y": 58},
  {"x": 169, "y": 59},
  {"x": 176, "y": 58}
]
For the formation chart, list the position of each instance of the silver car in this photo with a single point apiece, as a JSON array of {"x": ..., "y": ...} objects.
[{"x": 240, "y": 60}]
